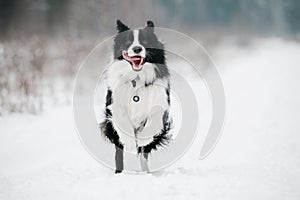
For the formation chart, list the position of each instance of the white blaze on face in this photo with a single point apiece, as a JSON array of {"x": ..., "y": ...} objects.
[{"x": 135, "y": 43}]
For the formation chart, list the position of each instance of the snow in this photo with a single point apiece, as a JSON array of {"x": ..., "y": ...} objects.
[{"x": 257, "y": 157}]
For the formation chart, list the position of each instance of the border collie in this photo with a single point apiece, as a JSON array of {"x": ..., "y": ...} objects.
[{"x": 138, "y": 95}]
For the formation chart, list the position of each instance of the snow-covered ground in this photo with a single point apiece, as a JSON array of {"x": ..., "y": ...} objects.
[{"x": 258, "y": 156}]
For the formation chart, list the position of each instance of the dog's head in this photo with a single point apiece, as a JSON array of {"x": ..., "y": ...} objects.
[{"x": 138, "y": 46}]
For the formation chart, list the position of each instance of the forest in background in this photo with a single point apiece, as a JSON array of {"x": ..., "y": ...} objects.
[
  {"x": 42, "y": 42},
  {"x": 21, "y": 18}
]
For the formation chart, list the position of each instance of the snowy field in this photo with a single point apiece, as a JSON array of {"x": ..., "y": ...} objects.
[{"x": 258, "y": 156}]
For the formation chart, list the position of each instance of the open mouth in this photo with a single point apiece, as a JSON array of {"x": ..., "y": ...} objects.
[{"x": 135, "y": 61}]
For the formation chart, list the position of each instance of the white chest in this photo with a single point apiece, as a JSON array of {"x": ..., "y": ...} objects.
[
  {"x": 139, "y": 102},
  {"x": 134, "y": 102}
]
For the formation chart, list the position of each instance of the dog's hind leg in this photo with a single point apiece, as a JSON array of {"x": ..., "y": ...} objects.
[
  {"x": 144, "y": 162},
  {"x": 119, "y": 159}
]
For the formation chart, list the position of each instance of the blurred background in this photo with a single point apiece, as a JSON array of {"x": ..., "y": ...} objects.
[
  {"x": 42, "y": 42},
  {"x": 255, "y": 45}
]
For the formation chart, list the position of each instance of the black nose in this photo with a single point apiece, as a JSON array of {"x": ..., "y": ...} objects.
[{"x": 137, "y": 49}]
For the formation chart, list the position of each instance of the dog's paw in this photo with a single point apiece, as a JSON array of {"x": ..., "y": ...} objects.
[{"x": 118, "y": 171}]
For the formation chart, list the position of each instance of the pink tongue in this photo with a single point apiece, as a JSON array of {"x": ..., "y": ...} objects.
[{"x": 135, "y": 61}]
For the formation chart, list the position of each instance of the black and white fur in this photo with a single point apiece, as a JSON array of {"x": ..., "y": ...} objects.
[{"x": 141, "y": 124}]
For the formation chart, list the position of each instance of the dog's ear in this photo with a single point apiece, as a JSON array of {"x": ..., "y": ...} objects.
[
  {"x": 121, "y": 27},
  {"x": 150, "y": 26}
]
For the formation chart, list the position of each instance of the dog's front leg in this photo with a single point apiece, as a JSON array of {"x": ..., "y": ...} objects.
[
  {"x": 144, "y": 162},
  {"x": 119, "y": 159}
]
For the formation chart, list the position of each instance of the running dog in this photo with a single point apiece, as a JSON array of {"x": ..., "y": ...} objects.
[{"x": 138, "y": 95}]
